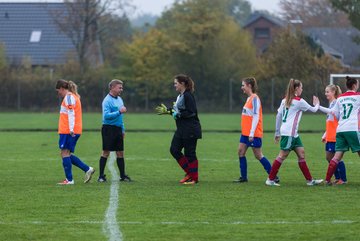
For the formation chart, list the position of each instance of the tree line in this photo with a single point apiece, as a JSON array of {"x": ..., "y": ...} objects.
[{"x": 203, "y": 40}]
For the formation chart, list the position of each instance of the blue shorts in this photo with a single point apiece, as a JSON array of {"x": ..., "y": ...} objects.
[
  {"x": 330, "y": 147},
  {"x": 257, "y": 142},
  {"x": 66, "y": 141}
]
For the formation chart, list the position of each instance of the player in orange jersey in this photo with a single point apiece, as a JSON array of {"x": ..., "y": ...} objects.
[
  {"x": 251, "y": 129},
  {"x": 329, "y": 137},
  {"x": 70, "y": 129}
]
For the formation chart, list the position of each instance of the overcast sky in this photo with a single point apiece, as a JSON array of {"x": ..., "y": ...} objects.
[{"x": 155, "y": 7}]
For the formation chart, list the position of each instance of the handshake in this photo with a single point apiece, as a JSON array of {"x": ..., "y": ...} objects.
[{"x": 163, "y": 110}]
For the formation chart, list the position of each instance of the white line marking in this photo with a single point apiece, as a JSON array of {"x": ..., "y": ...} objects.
[
  {"x": 110, "y": 225},
  {"x": 186, "y": 223}
]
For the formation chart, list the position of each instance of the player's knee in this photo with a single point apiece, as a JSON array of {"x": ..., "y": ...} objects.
[
  {"x": 176, "y": 153},
  {"x": 105, "y": 154}
]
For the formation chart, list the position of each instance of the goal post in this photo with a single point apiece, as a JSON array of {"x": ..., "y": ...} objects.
[{"x": 335, "y": 76}]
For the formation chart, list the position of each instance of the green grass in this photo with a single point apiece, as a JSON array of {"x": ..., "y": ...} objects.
[
  {"x": 155, "y": 206},
  {"x": 92, "y": 121}
]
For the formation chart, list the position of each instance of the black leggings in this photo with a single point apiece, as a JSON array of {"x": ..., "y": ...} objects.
[{"x": 189, "y": 145}]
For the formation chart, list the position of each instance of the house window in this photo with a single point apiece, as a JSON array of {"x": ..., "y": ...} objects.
[
  {"x": 262, "y": 33},
  {"x": 35, "y": 36}
]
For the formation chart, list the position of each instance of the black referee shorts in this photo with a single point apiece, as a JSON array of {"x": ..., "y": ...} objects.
[{"x": 112, "y": 138}]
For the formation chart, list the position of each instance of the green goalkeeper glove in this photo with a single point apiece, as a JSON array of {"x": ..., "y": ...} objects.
[{"x": 162, "y": 110}]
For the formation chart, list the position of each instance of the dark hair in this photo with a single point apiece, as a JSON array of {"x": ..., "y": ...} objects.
[
  {"x": 350, "y": 82},
  {"x": 188, "y": 82},
  {"x": 252, "y": 82},
  {"x": 290, "y": 91},
  {"x": 68, "y": 85}
]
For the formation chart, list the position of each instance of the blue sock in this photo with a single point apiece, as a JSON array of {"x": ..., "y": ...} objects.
[
  {"x": 266, "y": 164},
  {"x": 243, "y": 167},
  {"x": 342, "y": 170},
  {"x": 337, "y": 173},
  {"x": 77, "y": 162},
  {"x": 67, "y": 168}
]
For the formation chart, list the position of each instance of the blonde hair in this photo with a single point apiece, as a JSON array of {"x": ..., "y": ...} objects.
[
  {"x": 115, "y": 82},
  {"x": 336, "y": 89},
  {"x": 290, "y": 91},
  {"x": 68, "y": 85}
]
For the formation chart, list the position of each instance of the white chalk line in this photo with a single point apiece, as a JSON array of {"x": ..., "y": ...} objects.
[
  {"x": 110, "y": 225},
  {"x": 106, "y": 222}
]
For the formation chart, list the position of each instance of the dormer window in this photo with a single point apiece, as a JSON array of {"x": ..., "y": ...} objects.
[{"x": 35, "y": 36}]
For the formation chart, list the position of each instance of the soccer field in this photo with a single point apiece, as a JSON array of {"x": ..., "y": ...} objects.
[{"x": 155, "y": 206}]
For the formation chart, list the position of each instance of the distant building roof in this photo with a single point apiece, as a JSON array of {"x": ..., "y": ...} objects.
[
  {"x": 28, "y": 29},
  {"x": 338, "y": 42},
  {"x": 257, "y": 15}
]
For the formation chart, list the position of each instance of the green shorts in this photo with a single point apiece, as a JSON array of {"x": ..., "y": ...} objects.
[
  {"x": 289, "y": 143},
  {"x": 346, "y": 140}
]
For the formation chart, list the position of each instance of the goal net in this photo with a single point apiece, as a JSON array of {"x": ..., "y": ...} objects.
[{"x": 333, "y": 77}]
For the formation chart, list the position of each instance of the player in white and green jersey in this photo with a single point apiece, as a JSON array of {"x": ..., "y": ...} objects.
[{"x": 347, "y": 110}]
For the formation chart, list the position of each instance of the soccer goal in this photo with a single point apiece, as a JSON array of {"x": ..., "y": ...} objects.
[{"x": 335, "y": 76}]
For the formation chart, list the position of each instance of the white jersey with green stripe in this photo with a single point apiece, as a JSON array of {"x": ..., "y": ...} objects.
[
  {"x": 347, "y": 109},
  {"x": 288, "y": 119}
]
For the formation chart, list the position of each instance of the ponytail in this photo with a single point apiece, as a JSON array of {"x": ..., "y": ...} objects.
[
  {"x": 252, "y": 82},
  {"x": 188, "y": 82},
  {"x": 336, "y": 89},
  {"x": 68, "y": 85},
  {"x": 290, "y": 91}
]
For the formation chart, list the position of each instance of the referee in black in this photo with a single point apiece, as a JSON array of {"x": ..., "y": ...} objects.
[{"x": 113, "y": 130}]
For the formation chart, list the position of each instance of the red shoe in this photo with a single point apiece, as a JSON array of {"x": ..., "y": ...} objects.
[
  {"x": 340, "y": 182},
  {"x": 66, "y": 182},
  {"x": 185, "y": 179}
]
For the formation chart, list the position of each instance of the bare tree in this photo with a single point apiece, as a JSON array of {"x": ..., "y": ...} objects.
[
  {"x": 79, "y": 20},
  {"x": 313, "y": 13}
]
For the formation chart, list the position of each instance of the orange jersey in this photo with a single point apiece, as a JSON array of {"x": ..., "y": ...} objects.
[
  {"x": 331, "y": 125},
  {"x": 251, "y": 118},
  {"x": 70, "y": 115}
]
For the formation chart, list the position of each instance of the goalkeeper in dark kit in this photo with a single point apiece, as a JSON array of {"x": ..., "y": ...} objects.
[{"x": 188, "y": 128}]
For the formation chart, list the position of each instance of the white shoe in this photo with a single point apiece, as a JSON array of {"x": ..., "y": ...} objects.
[
  {"x": 271, "y": 183},
  {"x": 314, "y": 182},
  {"x": 89, "y": 174},
  {"x": 66, "y": 182}
]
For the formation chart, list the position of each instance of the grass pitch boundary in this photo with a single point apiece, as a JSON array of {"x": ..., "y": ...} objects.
[{"x": 110, "y": 225}]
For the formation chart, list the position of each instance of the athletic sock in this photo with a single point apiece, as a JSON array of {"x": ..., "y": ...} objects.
[
  {"x": 184, "y": 164},
  {"x": 102, "y": 164},
  {"x": 77, "y": 162},
  {"x": 304, "y": 169},
  {"x": 266, "y": 164},
  {"x": 121, "y": 165},
  {"x": 67, "y": 168},
  {"x": 275, "y": 168},
  {"x": 331, "y": 169},
  {"x": 243, "y": 167},
  {"x": 342, "y": 170},
  {"x": 194, "y": 170}
]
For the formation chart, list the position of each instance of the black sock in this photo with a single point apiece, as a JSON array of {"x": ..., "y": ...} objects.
[
  {"x": 102, "y": 164},
  {"x": 121, "y": 165}
]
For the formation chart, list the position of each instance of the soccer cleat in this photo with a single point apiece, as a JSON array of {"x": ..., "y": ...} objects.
[
  {"x": 102, "y": 179},
  {"x": 240, "y": 180},
  {"x": 66, "y": 182},
  {"x": 190, "y": 182},
  {"x": 314, "y": 182},
  {"x": 277, "y": 179},
  {"x": 185, "y": 179},
  {"x": 89, "y": 174},
  {"x": 328, "y": 183},
  {"x": 340, "y": 182},
  {"x": 269, "y": 182},
  {"x": 125, "y": 179}
]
